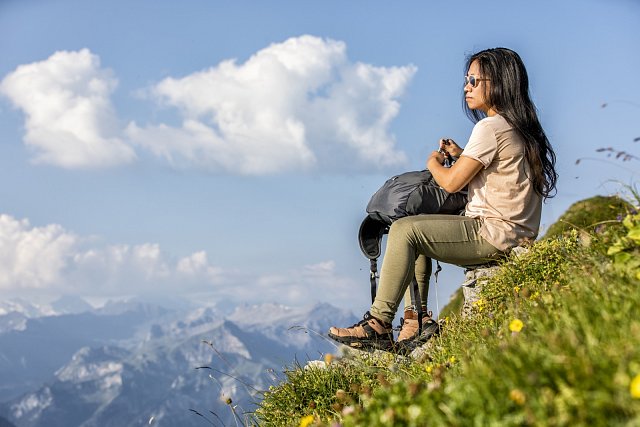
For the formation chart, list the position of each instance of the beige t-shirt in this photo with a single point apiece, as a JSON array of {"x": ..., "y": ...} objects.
[{"x": 502, "y": 193}]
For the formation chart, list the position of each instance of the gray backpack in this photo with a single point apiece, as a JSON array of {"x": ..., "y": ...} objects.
[{"x": 410, "y": 193}]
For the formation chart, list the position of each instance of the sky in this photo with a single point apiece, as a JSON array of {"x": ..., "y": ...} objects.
[{"x": 226, "y": 151}]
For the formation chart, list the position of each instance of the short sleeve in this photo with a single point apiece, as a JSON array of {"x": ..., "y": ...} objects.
[{"x": 483, "y": 144}]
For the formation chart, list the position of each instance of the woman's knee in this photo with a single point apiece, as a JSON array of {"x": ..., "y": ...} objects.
[{"x": 403, "y": 227}]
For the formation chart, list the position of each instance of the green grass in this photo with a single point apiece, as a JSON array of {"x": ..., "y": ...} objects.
[
  {"x": 588, "y": 214},
  {"x": 573, "y": 361}
]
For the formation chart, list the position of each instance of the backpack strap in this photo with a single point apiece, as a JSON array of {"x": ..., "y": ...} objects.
[{"x": 373, "y": 278}]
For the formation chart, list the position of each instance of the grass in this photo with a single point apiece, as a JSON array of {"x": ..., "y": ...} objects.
[{"x": 554, "y": 341}]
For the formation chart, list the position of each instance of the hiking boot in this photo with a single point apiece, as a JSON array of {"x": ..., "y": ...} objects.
[
  {"x": 410, "y": 336},
  {"x": 369, "y": 333},
  {"x": 408, "y": 326}
]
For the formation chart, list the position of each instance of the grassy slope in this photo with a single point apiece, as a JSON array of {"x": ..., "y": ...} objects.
[{"x": 555, "y": 340}]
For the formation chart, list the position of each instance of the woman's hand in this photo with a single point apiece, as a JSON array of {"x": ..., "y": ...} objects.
[
  {"x": 438, "y": 156},
  {"x": 457, "y": 176},
  {"x": 450, "y": 147}
]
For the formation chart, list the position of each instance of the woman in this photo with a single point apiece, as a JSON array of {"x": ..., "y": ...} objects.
[{"x": 508, "y": 165}]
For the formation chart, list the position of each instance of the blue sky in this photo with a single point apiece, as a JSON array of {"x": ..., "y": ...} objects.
[{"x": 227, "y": 150}]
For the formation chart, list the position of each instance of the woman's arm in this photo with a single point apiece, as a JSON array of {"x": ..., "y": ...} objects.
[{"x": 455, "y": 178}]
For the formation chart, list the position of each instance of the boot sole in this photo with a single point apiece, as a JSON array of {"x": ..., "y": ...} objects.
[
  {"x": 363, "y": 344},
  {"x": 407, "y": 346}
]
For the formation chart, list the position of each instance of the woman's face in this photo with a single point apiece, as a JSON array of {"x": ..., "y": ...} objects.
[{"x": 475, "y": 96}]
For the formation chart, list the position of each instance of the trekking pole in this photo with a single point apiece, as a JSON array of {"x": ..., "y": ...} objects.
[{"x": 435, "y": 286}]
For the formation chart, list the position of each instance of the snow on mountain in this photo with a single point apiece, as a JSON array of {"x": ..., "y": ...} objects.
[
  {"x": 33, "y": 404},
  {"x": 295, "y": 327},
  {"x": 90, "y": 364},
  {"x": 68, "y": 304},
  {"x": 131, "y": 363},
  {"x": 14, "y": 312},
  {"x": 13, "y": 321},
  {"x": 30, "y": 356},
  {"x": 113, "y": 387},
  {"x": 24, "y": 307}
]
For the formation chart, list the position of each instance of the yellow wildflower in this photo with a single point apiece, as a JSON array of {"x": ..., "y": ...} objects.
[
  {"x": 452, "y": 359},
  {"x": 328, "y": 358},
  {"x": 516, "y": 325},
  {"x": 306, "y": 420},
  {"x": 429, "y": 368},
  {"x": 517, "y": 396},
  {"x": 480, "y": 305},
  {"x": 634, "y": 387}
]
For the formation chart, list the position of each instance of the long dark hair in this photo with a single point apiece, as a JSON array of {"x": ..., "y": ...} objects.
[{"x": 509, "y": 96}]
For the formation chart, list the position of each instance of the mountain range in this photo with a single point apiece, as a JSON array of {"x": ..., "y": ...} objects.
[{"x": 136, "y": 363}]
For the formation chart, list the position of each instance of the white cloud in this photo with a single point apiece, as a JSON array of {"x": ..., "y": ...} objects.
[
  {"x": 54, "y": 260},
  {"x": 119, "y": 267},
  {"x": 197, "y": 265},
  {"x": 32, "y": 257},
  {"x": 69, "y": 119},
  {"x": 304, "y": 285},
  {"x": 296, "y": 105},
  {"x": 51, "y": 261}
]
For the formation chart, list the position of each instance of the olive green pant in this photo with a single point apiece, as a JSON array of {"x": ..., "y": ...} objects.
[{"x": 411, "y": 245}]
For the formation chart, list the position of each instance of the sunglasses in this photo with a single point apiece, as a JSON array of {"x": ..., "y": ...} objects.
[{"x": 473, "y": 80}]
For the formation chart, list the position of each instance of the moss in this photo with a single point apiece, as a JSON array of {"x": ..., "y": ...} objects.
[{"x": 589, "y": 213}]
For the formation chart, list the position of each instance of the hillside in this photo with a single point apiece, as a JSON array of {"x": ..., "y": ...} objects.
[{"x": 554, "y": 340}]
